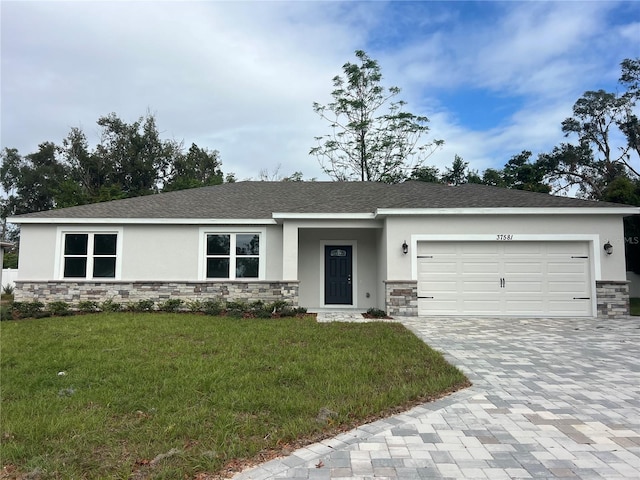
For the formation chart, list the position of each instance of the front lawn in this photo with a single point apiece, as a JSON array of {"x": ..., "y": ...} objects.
[{"x": 125, "y": 395}]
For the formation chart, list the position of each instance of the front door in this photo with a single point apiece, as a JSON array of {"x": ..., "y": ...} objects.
[{"x": 337, "y": 275}]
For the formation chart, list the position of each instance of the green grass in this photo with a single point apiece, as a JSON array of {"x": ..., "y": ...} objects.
[
  {"x": 206, "y": 391},
  {"x": 635, "y": 306}
]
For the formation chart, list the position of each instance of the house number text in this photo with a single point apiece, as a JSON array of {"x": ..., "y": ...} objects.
[{"x": 503, "y": 237}]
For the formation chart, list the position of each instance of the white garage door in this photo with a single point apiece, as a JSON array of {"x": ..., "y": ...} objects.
[{"x": 504, "y": 278}]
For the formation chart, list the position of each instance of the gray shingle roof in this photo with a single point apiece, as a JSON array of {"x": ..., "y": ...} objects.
[{"x": 256, "y": 200}]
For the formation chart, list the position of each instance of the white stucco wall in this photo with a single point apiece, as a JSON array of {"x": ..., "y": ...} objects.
[
  {"x": 148, "y": 252},
  {"x": 606, "y": 227},
  {"x": 37, "y": 252}
]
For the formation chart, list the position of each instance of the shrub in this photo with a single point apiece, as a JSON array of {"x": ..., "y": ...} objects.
[
  {"x": 59, "y": 308},
  {"x": 263, "y": 313},
  {"x": 300, "y": 310},
  {"x": 6, "y": 312},
  {"x": 195, "y": 306},
  {"x": 278, "y": 306},
  {"x": 143, "y": 306},
  {"x": 27, "y": 309},
  {"x": 376, "y": 313},
  {"x": 212, "y": 307},
  {"x": 110, "y": 306},
  {"x": 256, "y": 306},
  {"x": 237, "y": 309},
  {"x": 170, "y": 305},
  {"x": 88, "y": 306},
  {"x": 8, "y": 289}
]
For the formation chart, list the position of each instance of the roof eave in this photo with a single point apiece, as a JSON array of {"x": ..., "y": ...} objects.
[
  {"x": 322, "y": 216},
  {"x": 383, "y": 212},
  {"x": 142, "y": 221}
]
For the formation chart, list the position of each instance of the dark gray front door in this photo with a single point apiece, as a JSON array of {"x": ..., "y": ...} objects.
[{"x": 338, "y": 271}]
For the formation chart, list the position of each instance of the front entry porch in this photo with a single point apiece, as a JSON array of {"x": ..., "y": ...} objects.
[{"x": 339, "y": 269}]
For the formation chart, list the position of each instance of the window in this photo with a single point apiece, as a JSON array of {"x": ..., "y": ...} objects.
[
  {"x": 90, "y": 255},
  {"x": 232, "y": 255}
]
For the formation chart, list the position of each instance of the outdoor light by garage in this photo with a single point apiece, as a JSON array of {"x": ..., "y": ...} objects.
[
  {"x": 608, "y": 248},
  {"x": 405, "y": 247}
]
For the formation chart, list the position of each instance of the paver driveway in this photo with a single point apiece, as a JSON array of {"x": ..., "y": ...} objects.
[{"x": 552, "y": 398}]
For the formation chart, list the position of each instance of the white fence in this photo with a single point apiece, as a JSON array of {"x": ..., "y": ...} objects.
[{"x": 9, "y": 276}]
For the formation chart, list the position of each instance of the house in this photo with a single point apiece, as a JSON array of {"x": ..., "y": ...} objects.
[{"x": 411, "y": 249}]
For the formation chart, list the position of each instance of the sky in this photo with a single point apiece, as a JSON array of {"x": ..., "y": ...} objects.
[{"x": 494, "y": 78}]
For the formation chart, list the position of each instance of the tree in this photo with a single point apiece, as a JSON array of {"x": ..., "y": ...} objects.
[
  {"x": 200, "y": 167},
  {"x": 267, "y": 176},
  {"x": 372, "y": 138},
  {"x": 458, "y": 172},
  {"x": 32, "y": 182},
  {"x": 629, "y": 124},
  {"x": 91, "y": 173},
  {"x": 598, "y": 166},
  {"x": 426, "y": 173},
  {"x": 597, "y": 160},
  {"x": 138, "y": 157},
  {"x": 521, "y": 174}
]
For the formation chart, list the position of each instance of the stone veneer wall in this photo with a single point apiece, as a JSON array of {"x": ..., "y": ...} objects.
[
  {"x": 401, "y": 298},
  {"x": 613, "y": 299},
  {"x": 125, "y": 292}
]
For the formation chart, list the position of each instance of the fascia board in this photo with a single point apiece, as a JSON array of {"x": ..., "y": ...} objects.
[
  {"x": 509, "y": 211},
  {"x": 323, "y": 216},
  {"x": 144, "y": 221}
]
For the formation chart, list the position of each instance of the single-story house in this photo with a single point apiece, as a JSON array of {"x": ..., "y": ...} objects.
[{"x": 412, "y": 248}]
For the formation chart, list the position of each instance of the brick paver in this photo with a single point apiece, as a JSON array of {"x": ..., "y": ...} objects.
[{"x": 551, "y": 398}]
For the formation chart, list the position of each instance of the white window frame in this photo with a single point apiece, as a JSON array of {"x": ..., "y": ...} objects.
[
  {"x": 232, "y": 232},
  {"x": 60, "y": 256}
]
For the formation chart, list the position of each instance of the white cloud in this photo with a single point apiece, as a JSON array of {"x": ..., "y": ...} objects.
[{"x": 240, "y": 77}]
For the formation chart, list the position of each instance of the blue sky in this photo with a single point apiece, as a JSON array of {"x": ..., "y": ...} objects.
[{"x": 494, "y": 78}]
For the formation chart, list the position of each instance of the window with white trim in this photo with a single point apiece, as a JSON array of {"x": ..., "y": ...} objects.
[
  {"x": 232, "y": 255},
  {"x": 89, "y": 255}
]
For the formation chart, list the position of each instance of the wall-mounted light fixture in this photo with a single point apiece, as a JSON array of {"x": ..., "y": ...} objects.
[
  {"x": 608, "y": 248},
  {"x": 405, "y": 247}
]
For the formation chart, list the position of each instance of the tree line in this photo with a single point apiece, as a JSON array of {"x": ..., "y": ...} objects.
[{"x": 130, "y": 159}]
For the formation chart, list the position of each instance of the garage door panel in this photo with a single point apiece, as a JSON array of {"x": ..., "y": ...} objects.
[
  {"x": 439, "y": 307},
  {"x": 480, "y": 267},
  {"x": 564, "y": 268},
  {"x": 524, "y": 307},
  {"x": 433, "y": 248},
  {"x": 524, "y": 287},
  {"x": 471, "y": 287},
  {"x": 522, "y": 267},
  {"x": 567, "y": 248},
  {"x": 435, "y": 267},
  {"x": 570, "y": 308},
  {"x": 478, "y": 248},
  {"x": 577, "y": 287},
  {"x": 429, "y": 287},
  {"x": 480, "y": 306},
  {"x": 505, "y": 278}
]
